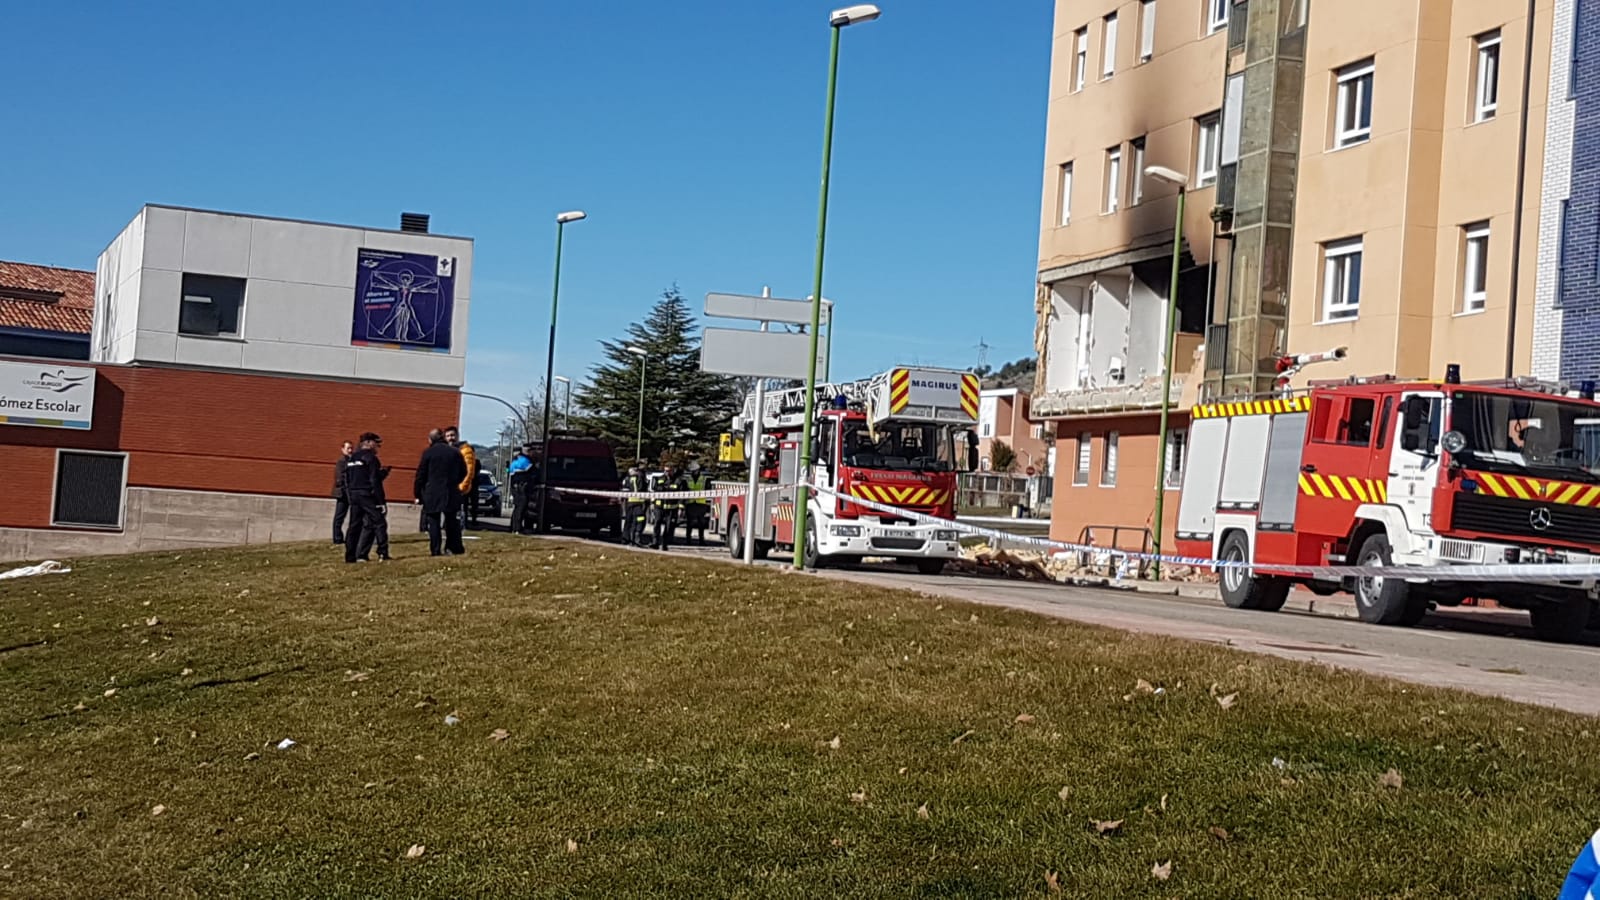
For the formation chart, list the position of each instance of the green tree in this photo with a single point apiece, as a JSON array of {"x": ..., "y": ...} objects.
[
  {"x": 1001, "y": 457},
  {"x": 685, "y": 409}
]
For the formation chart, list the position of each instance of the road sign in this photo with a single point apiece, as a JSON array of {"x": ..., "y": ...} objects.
[{"x": 758, "y": 354}]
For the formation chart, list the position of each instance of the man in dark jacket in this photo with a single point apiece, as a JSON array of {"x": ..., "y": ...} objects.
[
  {"x": 363, "y": 483},
  {"x": 438, "y": 489},
  {"x": 669, "y": 511},
  {"x": 341, "y": 503}
]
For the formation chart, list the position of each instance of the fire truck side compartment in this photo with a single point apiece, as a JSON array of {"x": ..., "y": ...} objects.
[
  {"x": 1202, "y": 479},
  {"x": 1281, "y": 491},
  {"x": 1245, "y": 464}
]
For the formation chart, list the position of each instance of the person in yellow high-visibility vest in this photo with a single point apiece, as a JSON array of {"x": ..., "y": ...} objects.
[{"x": 698, "y": 511}]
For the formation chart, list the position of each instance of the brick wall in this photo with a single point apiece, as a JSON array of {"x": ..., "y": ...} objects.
[
  {"x": 235, "y": 433},
  {"x": 1580, "y": 300},
  {"x": 1131, "y": 501},
  {"x": 1557, "y": 181}
]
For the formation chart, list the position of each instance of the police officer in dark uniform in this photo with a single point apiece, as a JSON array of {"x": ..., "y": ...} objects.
[
  {"x": 634, "y": 509},
  {"x": 363, "y": 481},
  {"x": 669, "y": 511},
  {"x": 522, "y": 478}
]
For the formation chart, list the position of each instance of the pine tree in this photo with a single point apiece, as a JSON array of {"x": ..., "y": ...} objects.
[{"x": 685, "y": 409}]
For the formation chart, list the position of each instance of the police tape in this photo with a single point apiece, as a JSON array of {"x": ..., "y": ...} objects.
[
  {"x": 647, "y": 496},
  {"x": 1542, "y": 572}
]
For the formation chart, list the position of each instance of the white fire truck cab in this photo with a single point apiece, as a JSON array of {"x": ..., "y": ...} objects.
[{"x": 1379, "y": 472}]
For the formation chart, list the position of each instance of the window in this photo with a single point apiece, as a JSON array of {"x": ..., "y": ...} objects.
[
  {"x": 1136, "y": 173},
  {"x": 212, "y": 305},
  {"x": 1113, "y": 179},
  {"x": 1486, "y": 77},
  {"x": 1561, "y": 256},
  {"x": 89, "y": 489},
  {"x": 1147, "y": 30},
  {"x": 1080, "y": 59},
  {"x": 1474, "y": 266},
  {"x": 1356, "y": 426},
  {"x": 1341, "y": 280},
  {"x": 1217, "y": 15},
  {"x": 1080, "y": 472},
  {"x": 1572, "y": 64},
  {"x": 1066, "y": 194},
  {"x": 1108, "y": 46},
  {"x": 1177, "y": 443},
  {"x": 1353, "y": 104},
  {"x": 1207, "y": 140},
  {"x": 1108, "y": 464}
]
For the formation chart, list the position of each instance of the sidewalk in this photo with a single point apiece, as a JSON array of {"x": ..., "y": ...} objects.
[{"x": 1339, "y": 606}]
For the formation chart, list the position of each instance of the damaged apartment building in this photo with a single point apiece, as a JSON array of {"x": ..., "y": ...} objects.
[{"x": 1369, "y": 175}]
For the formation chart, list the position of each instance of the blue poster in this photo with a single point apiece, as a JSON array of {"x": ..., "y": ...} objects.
[{"x": 404, "y": 301}]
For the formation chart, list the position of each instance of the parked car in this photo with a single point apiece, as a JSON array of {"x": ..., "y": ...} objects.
[
  {"x": 490, "y": 502},
  {"x": 586, "y": 463}
]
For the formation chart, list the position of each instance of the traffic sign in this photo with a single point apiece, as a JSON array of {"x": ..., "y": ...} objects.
[{"x": 758, "y": 354}]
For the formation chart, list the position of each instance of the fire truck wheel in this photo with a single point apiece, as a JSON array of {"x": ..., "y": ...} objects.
[
  {"x": 809, "y": 557},
  {"x": 1384, "y": 601},
  {"x": 735, "y": 537},
  {"x": 1240, "y": 589},
  {"x": 1560, "y": 620}
]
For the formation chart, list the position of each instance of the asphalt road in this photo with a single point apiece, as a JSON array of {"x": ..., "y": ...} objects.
[{"x": 1489, "y": 652}]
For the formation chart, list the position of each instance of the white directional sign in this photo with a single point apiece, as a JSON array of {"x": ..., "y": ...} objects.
[
  {"x": 758, "y": 354},
  {"x": 759, "y": 309}
]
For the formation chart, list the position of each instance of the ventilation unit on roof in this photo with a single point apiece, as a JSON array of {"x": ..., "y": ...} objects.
[{"x": 417, "y": 222}]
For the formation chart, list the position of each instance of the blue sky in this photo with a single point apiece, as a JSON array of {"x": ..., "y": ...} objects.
[{"x": 689, "y": 131}]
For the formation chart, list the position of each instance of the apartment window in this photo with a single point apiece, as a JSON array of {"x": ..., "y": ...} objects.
[
  {"x": 1572, "y": 64},
  {"x": 1208, "y": 132},
  {"x": 1353, "y": 104},
  {"x": 1177, "y": 443},
  {"x": 89, "y": 489},
  {"x": 1080, "y": 59},
  {"x": 1474, "y": 266},
  {"x": 1080, "y": 473},
  {"x": 1136, "y": 173},
  {"x": 1108, "y": 463},
  {"x": 1066, "y": 193},
  {"x": 212, "y": 305},
  {"x": 1561, "y": 256},
  {"x": 1147, "y": 30},
  {"x": 1341, "y": 280},
  {"x": 1217, "y": 15},
  {"x": 1108, "y": 46},
  {"x": 1486, "y": 76},
  {"x": 1113, "y": 179}
]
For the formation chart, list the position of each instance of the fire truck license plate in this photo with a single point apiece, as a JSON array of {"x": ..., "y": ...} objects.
[{"x": 899, "y": 534}]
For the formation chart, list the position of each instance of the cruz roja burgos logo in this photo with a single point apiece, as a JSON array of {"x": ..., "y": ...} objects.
[{"x": 58, "y": 382}]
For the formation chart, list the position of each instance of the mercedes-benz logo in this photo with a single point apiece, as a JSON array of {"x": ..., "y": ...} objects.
[{"x": 1539, "y": 519}]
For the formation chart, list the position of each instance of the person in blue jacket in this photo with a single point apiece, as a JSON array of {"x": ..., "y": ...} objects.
[{"x": 520, "y": 476}]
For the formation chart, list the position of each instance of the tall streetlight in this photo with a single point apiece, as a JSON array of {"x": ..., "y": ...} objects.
[
  {"x": 566, "y": 391},
  {"x": 638, "y": 443},
  {"x": 550, "y": 359},
  {"x": 837, "y": 20},
  {"x": 1168, "y": 339}
]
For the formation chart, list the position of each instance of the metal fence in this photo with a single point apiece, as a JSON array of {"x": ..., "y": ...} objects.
[{"x": 1014, "y": 494}]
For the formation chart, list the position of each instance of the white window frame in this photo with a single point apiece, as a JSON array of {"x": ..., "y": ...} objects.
[
  {"x": 1207, "y": 148},
  {"x": 1486, "y": 76},
  {"x": 1108, "y": 460},
  {"x": 1064, "y": 186},
  {"x": 1339, "y": 259},
  {"x": 1474, "y": 267},
  {"x": 1136, "y": 172},
  {"x": 1080, "y": 58},
  {"x": 1173, "y": 479},
  {"x": 55, "y": 483},
  {"x": 1147, "y": 30},
  {"x": 1108, "y": 46},
  {"x": 1353, "y": 87},
  {"x": 1084, "y": 459},
  {"x": 1217, "y": 15},
  {"x": 1113, "y": 181}
]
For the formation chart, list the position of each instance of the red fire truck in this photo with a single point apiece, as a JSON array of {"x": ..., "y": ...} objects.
[
  {"x": 1379, "y": 472},
  {"x": 898, "y": 439}
]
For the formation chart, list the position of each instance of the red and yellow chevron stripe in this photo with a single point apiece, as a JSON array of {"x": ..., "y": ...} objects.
[
  {"x": 969, "y": 394},
  {"x": 1519, "y": 487},
  {"x": 1251, "y": 408},
  {"x": 1344, "y": 487},
  {"x": 908, "y": 495},
  {"x": 899, "y": 389},
  {"x": 783, "y": 512}
]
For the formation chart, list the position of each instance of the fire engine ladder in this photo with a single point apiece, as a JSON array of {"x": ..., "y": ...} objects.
[{"x": 785, "y": 409}]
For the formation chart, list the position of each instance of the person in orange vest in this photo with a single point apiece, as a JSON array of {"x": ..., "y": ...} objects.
[{"x": 468, "y": 507}]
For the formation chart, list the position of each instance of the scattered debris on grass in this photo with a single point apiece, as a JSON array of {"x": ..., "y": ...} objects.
[
  {"x": 1228, "y": 701},
  {"x": 1025, "y": 719},
  {"x": 963, "y": 736},
  {"x": 1107, "y": 827},
  {"x": 1052, "y": 882},
  {"x": 859, "y": 796},
  {"x": 452, "y": 719},
  {"x": 1065, "y": 793},
  {"x": 1220, "y": 833},
  {"x": 572, "y": 846},
  {"x": 416, "y": 851},
  {"x": 1392, "y": 779},
  {"x": 286, "y": 743},
  {"x": 499, "y": 735},
  {"x": 923, "y": 813},
  {"x": 157, "y": 810},
  {"x": 1162, "y": 871}
]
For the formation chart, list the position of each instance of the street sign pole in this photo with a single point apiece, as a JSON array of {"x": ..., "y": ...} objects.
[{"x": 753, "y": 451}]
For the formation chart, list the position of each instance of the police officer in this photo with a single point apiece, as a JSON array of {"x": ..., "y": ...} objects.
[
  {"x": 699, "y": 511},
  {"x": 668, "y": 510},
  {"x": 634, "y": 509},
  {"x": 521, "y": 478},
  {"x": 363, "y": 483}
]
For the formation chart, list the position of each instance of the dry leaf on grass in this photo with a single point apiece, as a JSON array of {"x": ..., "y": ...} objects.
[
  {"x": 351, "y": 675},
  {"x": 110, "y": 692},
  {"x": 186, "y": 673},
  {"x": 1065, "y": 792},
  {"x": 963, "y": 736},
  {"x": 1144, "y": 687},
  {"x": 1228, "y": 701},
  {"x": 923, "y": 813},
  {"x": 152, "y": 621},
  {"x": 251, "y": 757},
  {"x": 157, "y": 810},
  {"x": 835, "y": 743},
  {"x": 416, "y": 851},
  {"x": 1107, "y": 827},
  {"x": 1053, "y": 882},
  {"x": 1220, "y": 833},
  {"x": 1163, "y": 802},
  {"x": 572, "y": 846},
  {"x": 80, "y": 707},
  {"x": 973, "y": 620},
  {"x": 499, "y": 734},
  {"x": 859, "y": 796},
  {"x": 452, "y": 719},
  {"x": 1025, "y": 719},
  {"x": 1392, "y": 779},
  {"x": 1162, "y": 871}
]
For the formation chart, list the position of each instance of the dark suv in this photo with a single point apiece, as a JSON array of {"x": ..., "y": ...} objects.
[
  {"x": 489, "y": 501},
  {"x": 581, "y": 463}
]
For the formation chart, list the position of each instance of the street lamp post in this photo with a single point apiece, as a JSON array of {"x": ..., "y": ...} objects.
[
  {"x": 840, "y": 18},
  {"x": 566, "y": 392},
  {"x": 638, "y": 443},
  {"x": 1168, "y": 339},
  {"x": 550, "y": 360}
]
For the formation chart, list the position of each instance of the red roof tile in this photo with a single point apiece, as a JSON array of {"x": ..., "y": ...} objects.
[{"x": 46, "y": 298}]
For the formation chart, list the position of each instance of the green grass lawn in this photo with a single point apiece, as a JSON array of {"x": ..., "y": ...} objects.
[{"x": 680, "y": 727}]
